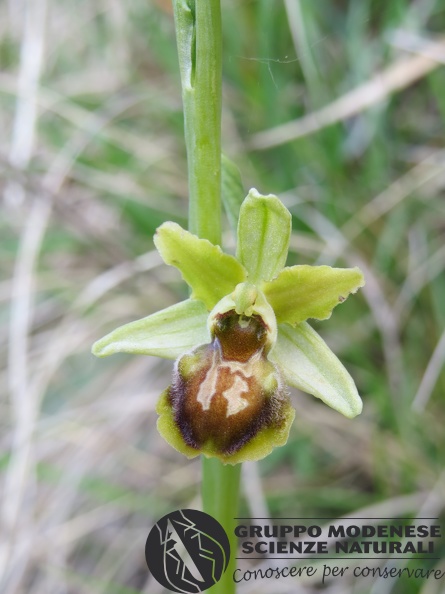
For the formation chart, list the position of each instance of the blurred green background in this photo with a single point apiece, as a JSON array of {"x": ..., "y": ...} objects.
[{"x": 336, "y": 106}]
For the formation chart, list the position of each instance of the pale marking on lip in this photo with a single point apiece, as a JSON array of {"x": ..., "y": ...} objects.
[
  {"x": 239, "y": 371},
  {"x": 235, "y": 402},
  {"x": 208, "y": 385}
]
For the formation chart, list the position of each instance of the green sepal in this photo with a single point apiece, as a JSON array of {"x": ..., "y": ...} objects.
[
  {"x": 232, "y": 190},
  {"x": 307, "y": 363},
  {"x": 264, "y": 229},
  {"x": 205, "y": 268},
  {"x": 302, "y": 292},
  {"x": 167, "y": 333},
  {"x": 257, "y": 448}
]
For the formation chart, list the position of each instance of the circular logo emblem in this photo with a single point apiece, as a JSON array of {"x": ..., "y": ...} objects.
[{"x": 187, "y": 551}]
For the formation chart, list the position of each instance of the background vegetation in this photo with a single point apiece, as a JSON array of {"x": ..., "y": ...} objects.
[{"x": 336, "y": 106}]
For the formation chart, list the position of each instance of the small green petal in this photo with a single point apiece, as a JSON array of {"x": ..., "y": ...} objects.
[
  {"x": 167, "y": 333},
  {"x": 264, "y": 229},
  {"x": 302, "y": 292},
  {"x": 205, "y": 268},
  {"x": 308, "y": 363}
]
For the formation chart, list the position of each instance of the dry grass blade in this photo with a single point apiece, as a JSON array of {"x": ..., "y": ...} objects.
[
  {"x": 417, "y": 177},
  {"x": 373, "y": 291},
  {"x": 24, "y": 406},
  {"x": 300, "y": 40},
  {"x": 25, "y": 119},
  {"x": 417, "y": 279},
  {"x": 430, "y": 508},
  {"x": 57, "y": 103},
  {"x": 253, "y": 491},
  {"x": 411, "y": 42},
  {"x": 430, "y": 376},
  {"x": 20, "y": 472},
  {"x": 400, "y": 74}
]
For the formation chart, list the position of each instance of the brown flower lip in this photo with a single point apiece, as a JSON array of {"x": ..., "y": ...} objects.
[{"x": 223, "y": 393}]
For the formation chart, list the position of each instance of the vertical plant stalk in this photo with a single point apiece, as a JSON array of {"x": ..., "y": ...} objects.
[
  {"x": 199, "y": 40},
  {"x": 220, "y": 497},
  {"x": 198, "y": 32}
]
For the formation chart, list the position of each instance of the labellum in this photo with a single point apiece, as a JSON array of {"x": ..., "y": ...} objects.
[{"x": 225, "y": 393}]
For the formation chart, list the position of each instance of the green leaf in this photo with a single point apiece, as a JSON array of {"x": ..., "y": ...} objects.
[
  {"x": 167, "y": 333},
  {"x": 205, "y": 268},
  {"x": 308, "y": 363},
  {"x": 264, "y": 229},
  {"x": 302, "y": 292},
  {"x": 232, "y": 191}
]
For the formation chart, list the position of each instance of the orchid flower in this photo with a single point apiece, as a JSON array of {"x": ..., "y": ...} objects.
[{"x": 241, "y": 337}]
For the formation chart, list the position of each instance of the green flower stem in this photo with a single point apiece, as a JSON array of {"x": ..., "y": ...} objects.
[
  {"x": 199, "y": 39},
  {"x": 220, "y": 495}
]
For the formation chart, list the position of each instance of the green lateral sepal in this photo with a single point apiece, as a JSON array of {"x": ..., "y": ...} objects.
[
  {"x": 307, "y": 363},
  {"x": 167, "y": 333}
]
